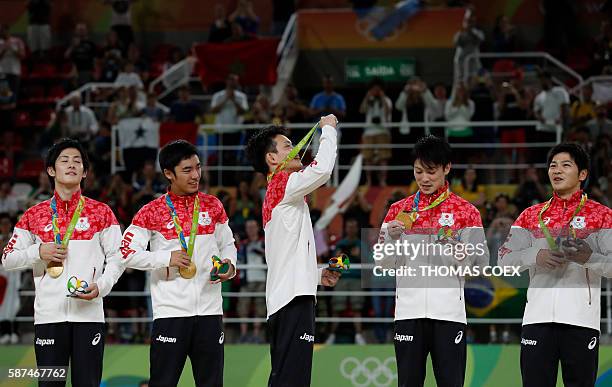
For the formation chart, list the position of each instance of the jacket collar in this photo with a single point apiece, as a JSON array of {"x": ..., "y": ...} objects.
[
  {"x": 571, "y": 201},
  {"x": 426, "y": 199},
  {"x": 176, "y": 198},
  {"x": 68, "y": 205}
]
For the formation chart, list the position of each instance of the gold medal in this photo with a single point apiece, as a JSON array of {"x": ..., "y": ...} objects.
[
  {"x": 405, "y": 218},
  {"x": 188, "y": 272},
  {"x": 55, "y": 269}
]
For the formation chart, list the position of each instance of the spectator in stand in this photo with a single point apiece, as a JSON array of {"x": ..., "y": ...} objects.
[
  {"x": 600, "y": 124},
  {"x": 246, "y": 17},
  {"x": 326, "y": 102},
  {"x": 12, "y": 51},
  {"x": 467, "y": 41},
  {"x": 252, "y": 252},
  {"x": 502, "y": 206},
  {"x": 121, "y": 20},
  {"x": 482, "y": 92},
  {"x": 117, "y": 195},
  {"x": 82, "y": 52},
  {"x": 247, "y": 206},
  {"x": 129, "y": 77},
  {"x": 122, "y": 107},
  {"x": 42, "y": 192},
  {"x": 458, "y": 111},
  {"x": 434, "y": 110},
  {"x": 101, "y": 146},
  {"x": 504, "y": 35},
  {"x": 220, "y": 29},
  {"x": 185, "y": 109},
  {"x": 471, "y": 190},
  {"x": 147, "y": 185},
  {"x": 39, "y": 30},
  {"x": 134, "y": 56},
  {"x": 151, "y": 109},
  {"x": 261, "y": 110},
  {"x": 531, "y": 191},
  {"x": 82, "y": 123},
  {"x": 8, "y": 102},
  {"x": 513, "y": 105},
  {"x": 176, "y": 55},
  {"x": 583, "y": 110},
  {"x": 550, "y": 108},
  {"x": 56, "y": 129},
  {"x": 349, "y": 305},
  {"x": 237, "y": 34},
  {"x": 294, "y": 109},
  {"x": 377, "y": 109},
  {"x": 8, "y": 203},
  {"x": 359, "y": 208},
  {"x": 411, "y": 102},
  {"x": 229, "y": 105}
]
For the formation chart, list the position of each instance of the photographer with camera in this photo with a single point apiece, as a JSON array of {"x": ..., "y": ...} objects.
[{"x": 377, "y": 108}]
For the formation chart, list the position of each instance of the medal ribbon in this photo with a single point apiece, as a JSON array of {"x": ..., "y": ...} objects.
[
  {"x": 57, "y": 237},
  {"x": 549, "y": 239},
  {"x": 415, "y": 204},
  {"x": 296, "y": 149},
  {"x": 177, "y": 224}
]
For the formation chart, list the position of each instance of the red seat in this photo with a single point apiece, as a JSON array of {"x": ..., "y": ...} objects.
[
  {"x": 42, "y": 118},
  {"x": 33, "y": 94},
  {"x": 22, "y": 119},
  {"x": 56, "y": 92},
  {"x": 6, "y": 167},
  {"x": 30, "y": 169},
  {"x": 43, "y": 70}
]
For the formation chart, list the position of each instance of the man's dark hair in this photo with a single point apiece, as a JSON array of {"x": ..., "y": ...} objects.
[
  {"x": 58, "y": 148},
  {"x": 261, "y": 144},
  {"x": 432, "y": 151},
  {"x": 174, "y": 152},
  {"x": 376, "y": 82},
  {"x": 576, "y": 152}
]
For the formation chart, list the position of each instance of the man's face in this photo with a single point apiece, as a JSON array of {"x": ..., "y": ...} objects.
[
  {"x": 546, "y": 83},
  {"x": 81, "y": 30},
  {"x": 283, "y": 147},
  {"x": 352, "y": 228},
  {"x": 564, "y": 174},
  {"x": 252, "y": 229},
  {"x": 430, "y": 178},
  {"x": 328, "y": 84},
  {"x": 5, "y": 226},
  {"x": 186, "y": 177},
  {"x": 440, "y": 92},
  {"x": 68, "y": 170},
  {"x": 231, "y": 82}
]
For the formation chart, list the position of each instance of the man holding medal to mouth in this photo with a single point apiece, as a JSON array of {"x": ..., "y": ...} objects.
[
  {"x": 292, "y": 276},
  {"x": 71, "y": 243},
  {"x": 430, "y": 310},
  {"x": 184, "y": 229},
  {"x": 566, "y": 244}
]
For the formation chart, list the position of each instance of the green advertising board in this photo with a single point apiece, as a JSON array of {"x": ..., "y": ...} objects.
[
  {"x": 333, "y": 365},
  {"x": 388, "y": 69}
]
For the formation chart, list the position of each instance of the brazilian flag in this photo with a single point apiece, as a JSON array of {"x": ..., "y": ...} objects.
[{"x": 494, "y": 297}]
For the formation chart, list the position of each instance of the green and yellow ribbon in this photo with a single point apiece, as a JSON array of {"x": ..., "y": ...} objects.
[
  {"x": 294, "y": 152},
  {"x": 549, "y": 238}
]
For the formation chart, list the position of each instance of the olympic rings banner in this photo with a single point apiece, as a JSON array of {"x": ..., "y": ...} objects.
[{"x": 336, "y": 365}]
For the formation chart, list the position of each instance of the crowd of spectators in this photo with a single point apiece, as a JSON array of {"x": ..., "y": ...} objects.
[{"x": 446, "y": 108}]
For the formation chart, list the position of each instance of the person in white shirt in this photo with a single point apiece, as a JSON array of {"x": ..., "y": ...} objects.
[
  {"x": 82, "y": 122},
  {"x": 229, "y": 104},
  {"x": 290, "y": 251},
  {"x": 459, "y": 110},
  {"x": 12, "y": 51},
  {"x": 8, "y": 203},
  {"x": 550, "y": 107},
  {"x": 129, "y": 77}
]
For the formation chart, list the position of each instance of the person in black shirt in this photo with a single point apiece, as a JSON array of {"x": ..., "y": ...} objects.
[
  {"x": 220, "y": 29},
  {"x": 82, "y": 52}
]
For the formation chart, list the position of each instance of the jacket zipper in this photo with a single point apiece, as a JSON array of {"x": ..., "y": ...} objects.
[
  {"x": 460, "y": 289},
  {"x": 588, "y": 284}
]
